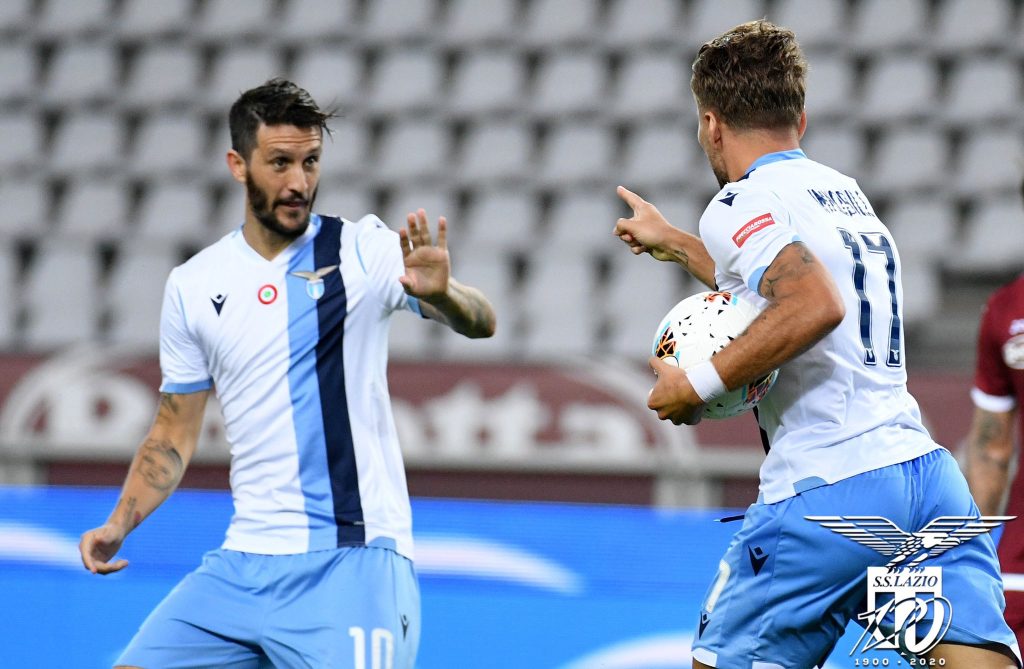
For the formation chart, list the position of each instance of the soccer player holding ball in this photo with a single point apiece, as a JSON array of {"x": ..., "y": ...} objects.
[
  {"x": 287, "y": 317},
  {"x": 843, "y": 436}
]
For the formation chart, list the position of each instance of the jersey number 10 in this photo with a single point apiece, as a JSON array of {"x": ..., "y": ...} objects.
[{"x": 880, "y": 244}]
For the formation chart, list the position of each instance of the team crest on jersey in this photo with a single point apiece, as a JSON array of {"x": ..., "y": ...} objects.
[
  {"x": 1013, "y": 352},
  {"x": 905, "y": 607},
  {"x": 315, "y": 280}
]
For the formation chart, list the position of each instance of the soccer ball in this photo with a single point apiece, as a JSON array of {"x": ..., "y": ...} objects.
[{"x": 699, "y": 327}]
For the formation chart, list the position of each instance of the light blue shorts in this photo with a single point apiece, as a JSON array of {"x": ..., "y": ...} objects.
[
  {"x": 327, "y": 609},
  {"x": 788, "y": 586}
]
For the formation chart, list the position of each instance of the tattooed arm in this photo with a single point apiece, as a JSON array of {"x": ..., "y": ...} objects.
[
  {"x": 463, "y": 309},
  {"x": 154, "y": 474},
  {"x": 804, "y": 305},
  {"x": 989, "y": 451}
]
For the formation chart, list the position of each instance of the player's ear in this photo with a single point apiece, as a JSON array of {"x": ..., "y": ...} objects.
[
  {"x": 802, "y": 125},
  {"x": 236, "y": 163},
  {"x": 714, "y": 127}
]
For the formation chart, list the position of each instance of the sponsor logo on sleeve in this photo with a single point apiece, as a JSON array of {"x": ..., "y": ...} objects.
[{"x": 752, "y": 226}]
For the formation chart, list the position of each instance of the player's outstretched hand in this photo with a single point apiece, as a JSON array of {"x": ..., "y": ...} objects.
[
  {"x": 647, "y": 231},
  {"x": 99, "y": 546},
  {"x": 672, "y": 396},
  {"x": 427, "y": 266}
]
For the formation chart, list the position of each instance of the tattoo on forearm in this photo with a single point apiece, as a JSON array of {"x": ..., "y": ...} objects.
[
  {"x": 160, "y": 464},
  {"x": 131, "y": 517},
  {"x": 989, "y": 429},
  {"x": 169, "y": 401}
]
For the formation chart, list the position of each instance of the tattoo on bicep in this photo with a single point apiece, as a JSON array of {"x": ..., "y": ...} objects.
[
  {"x": 785, "y": 269},
  {"x": 160, "y": 464}
]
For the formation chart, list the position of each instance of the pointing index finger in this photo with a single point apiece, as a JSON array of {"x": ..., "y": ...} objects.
[{"x": 631, "y": 198}]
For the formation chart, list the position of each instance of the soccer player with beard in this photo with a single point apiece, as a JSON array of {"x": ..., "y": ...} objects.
[
  {"x": 286, "y": 318},
  {"x": 842, "y": 435}
]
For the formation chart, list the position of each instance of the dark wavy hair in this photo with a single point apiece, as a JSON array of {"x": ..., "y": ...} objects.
[
  {"x": 753, "y": 76},
  {"x": 277, "y": 102}
]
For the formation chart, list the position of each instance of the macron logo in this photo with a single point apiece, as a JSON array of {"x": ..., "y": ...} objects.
[{"x": 762, "y": 221}]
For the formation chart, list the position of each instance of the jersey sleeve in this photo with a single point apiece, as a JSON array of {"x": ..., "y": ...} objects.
[
  {"x": 183, "y": 364},
  {"x": 993, "y": 387},
  {"x": 744, "y": 237},
  {"x": 380, "y": 257}
]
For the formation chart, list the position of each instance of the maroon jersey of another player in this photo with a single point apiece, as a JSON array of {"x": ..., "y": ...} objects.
[{"x": 999, "y": 387}]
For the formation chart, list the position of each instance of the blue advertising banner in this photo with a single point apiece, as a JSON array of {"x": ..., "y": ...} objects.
[{"x": 517, "y": 585}]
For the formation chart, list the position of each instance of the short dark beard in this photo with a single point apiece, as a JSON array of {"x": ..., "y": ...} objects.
[{"x": 264, "y": 211}]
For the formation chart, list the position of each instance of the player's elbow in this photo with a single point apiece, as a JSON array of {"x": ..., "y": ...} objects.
[{"x": 833, "y": 313}]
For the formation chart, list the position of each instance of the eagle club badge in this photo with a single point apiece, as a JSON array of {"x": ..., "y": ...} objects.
[
  {"x": 906, "y": 611},
  {"x": 315, "y": 280}
]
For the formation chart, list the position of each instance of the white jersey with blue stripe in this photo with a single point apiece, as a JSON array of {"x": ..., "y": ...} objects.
[
  {"x": 842, "y": 407},
  {"x": 296, "y": 350}
]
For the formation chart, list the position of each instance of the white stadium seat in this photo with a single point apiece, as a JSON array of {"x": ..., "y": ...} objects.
[
  {"x": 392, "y": 21},
  {"x": 305, "y": 20},
  {"x": 69, "y": 18},
  {"x": 87, "y": 141},
  {"x": 660, "y": 153},
  {"x": 236, "y": 70},
  {"x": 552, "y": 23},
  {"x": 81, "y": 73},
  {"x": 646, "y": 22},
  {"x": 63, "y": 281},
  {"x": 640, "y": 292},
  {"x": 972, "y": 24},
  {"x": 94, "y": 209},
  {"x": 502, "y": 220},
  {"x": 993, "y": 242},
  {"x": 991, "y": 160},
  {"x": 343, "y": 199},
  {"x": 495, "y": 152},
  {"x": 144, "y": 19},
  {"x": 164, "y": 74},
  {"x": 570, "y": 83},
  {"x": 911, "y": 158},
  {"x": 135, "y": 294},
  {"x": 174, "y": 212},
  {"x": 830, "y": 83},
  {"x": 21, "y": 135},
  {"x": 414, "y": 149},
  {"x": 23, "y": 221},
  {"x": 652, "y": 83},
  {"x": 405, "y": 80},
  {"x": 332, "y": 76},
  {"x": 880, "y": 25},
  {"x": 900, "y": 88},
  {"x": 559, "y": 300},
  {"x": 17, "y": 72},
  {"x": 169, "y": 143},
  {"x": 435, "y": 201},
  {"x": 923, "y": 227},
  {"x": 575, "y": 152},
  {"x": 16, "y": 15},
  {"x": 473, "y": 22},
  {"x": 8, "y": 294},
  {"x": 983, "y": 88},
  {"x": 841, "y": 147},
  {"x": 488, "y": 80},
  {"x": 583, "y": 220},
  {"x": 225, "y": 21}
]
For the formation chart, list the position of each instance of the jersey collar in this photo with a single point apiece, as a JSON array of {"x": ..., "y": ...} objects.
[
  {"x": 284, "y": 256},
  {"x": 775, "y": 157}
]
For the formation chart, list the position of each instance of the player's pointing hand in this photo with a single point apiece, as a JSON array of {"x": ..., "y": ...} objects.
[
  {"x": 647, "y": 230},
  {"x": 427, "y": 266}
]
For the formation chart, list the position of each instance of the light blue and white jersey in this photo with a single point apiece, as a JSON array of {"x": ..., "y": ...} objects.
[
  {"x": 841, "y": 408},
  {"x": 296, "y": 350}
]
